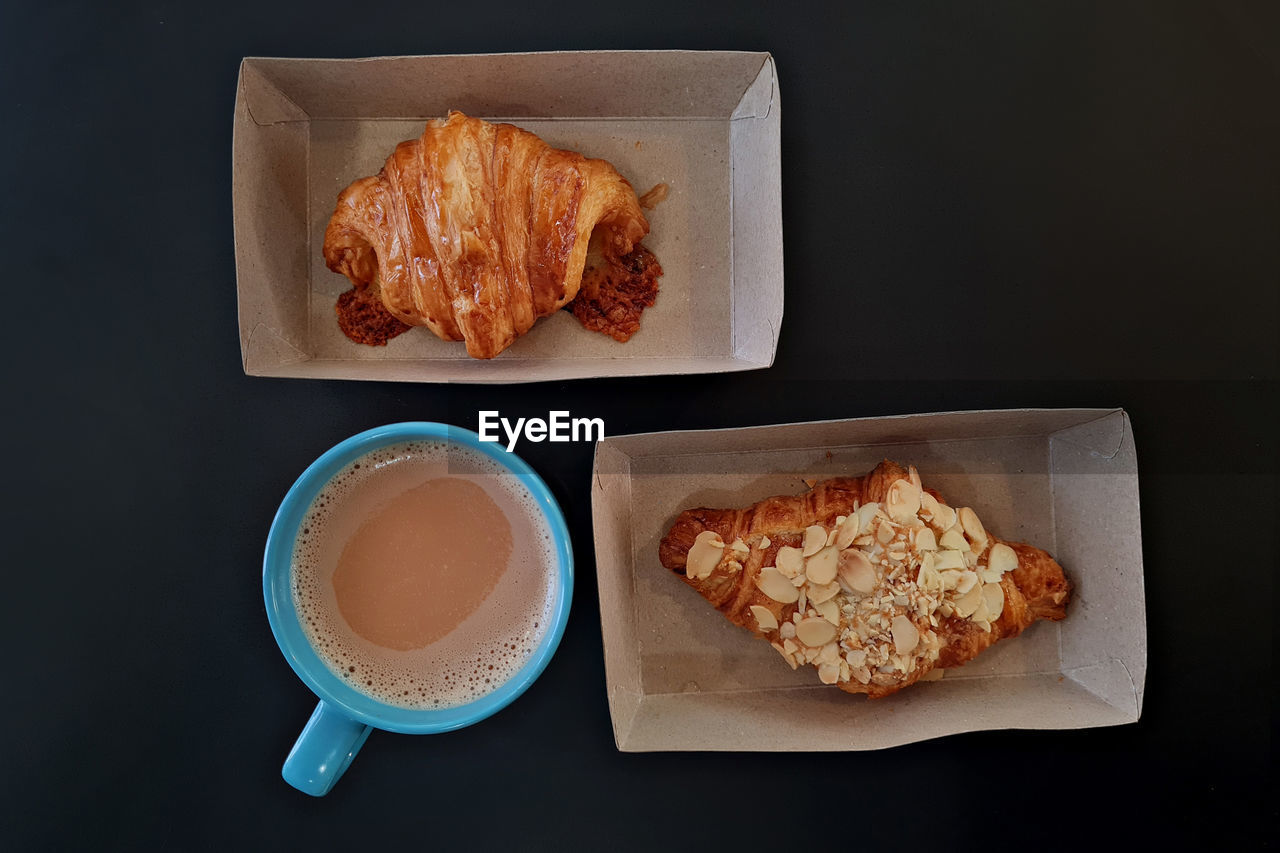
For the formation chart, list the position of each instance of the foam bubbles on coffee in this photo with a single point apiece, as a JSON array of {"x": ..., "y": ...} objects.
[{"x": 489, "y": 646}]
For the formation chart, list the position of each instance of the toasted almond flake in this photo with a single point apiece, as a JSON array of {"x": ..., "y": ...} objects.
[
  {"x": 989, "y": 576},
  {"x": 831, "y": 537},
  {"x": 830, "y": 653},
  {"x": 829, "y": 610},
  {"x": 966, "y": 604},
  {"x": 740, "y": 546},
  {"x": 815, "y": 632},
  {"x": 861, "y": 673},
  {"x": 775, "y": 585},
  {"x": 944, "y": 518},
  {"x": 704, "y": 555},
  {"x": 884, "y": 533},
  {"x": 791, "y": 646},
  {"x": 847, "y": 531},
  {"x": 790, "y": 561},
  {"x": 819, "y": 594},
  {"x": 856, "y": 572},
  {"x": 802, "y": 600},
  {"x": 866, "y": 514},
  {"x": 820, "y": 568},
  {"x": 953, "y": 540},
  {"x": 926, "y": 540},
  {"x": 966, "y": 582},
  {"x": 994, "y": 595},
  {"x": 733, "y": 566},
  {"x": 897, "y": 556},
  {"x": 799, "y": 580},
  {"x": 1002, "y": 558},
  {"x": 764, "y": 617},
  {"x": 903, "y": 501},
  {"x": 815, "y": 536},
  {"x": 928, "y": 504},
  {"x": 947, "y": 560},
  {"x": 971, "y": 524},
  {"x": 787, "y": 630},
  {"x": 765, "y": 542},
  {"x": 856, "y": 657},
  {"x": 829, "y": 673}
]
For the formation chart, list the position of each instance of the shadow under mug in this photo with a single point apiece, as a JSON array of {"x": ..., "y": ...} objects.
[{"x": 345, "y": 716}]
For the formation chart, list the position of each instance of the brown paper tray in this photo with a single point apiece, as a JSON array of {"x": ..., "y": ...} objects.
[
  {"x": 705, "y": 123},
  {"x": 681, "y": 677}
]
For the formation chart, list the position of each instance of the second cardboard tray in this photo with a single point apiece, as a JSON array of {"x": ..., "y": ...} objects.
[
  {"x": 705, "y": 123},
  {"x": 681, "y": 677}
]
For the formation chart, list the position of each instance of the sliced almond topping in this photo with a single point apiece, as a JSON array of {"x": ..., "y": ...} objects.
[
  {"x": 944, "y": 518},
  {"x": 830, "y": 653},
  {"x": 764, "y": 617},
  {"x": 741, "y": 547},
  {"x": 884, "y": 533},
  {"x": 704, "y": 555},
  {"x": 733, "y": 566},
  {"x": 787, "y": 631},
  {"x": 967, "y": 581},
  {"x": 815, "y": 537},
  {"x": 775, "y": 585},
  {"x": 972, "y": 526},
  {"x": 799, "y": 580},
  {"x": 765, "y": 542},
  {"x": 829, "y": 673},
  {"x": 791, "y": 646},
  {"x": 944, "y": 560},
  {"x": 785, "y": 655},
  {"x": 856, "y": 572},
  {"x": 866, "y": 513},
  {"x": 966, "y": 604},
  {"x": 829, "y": 610},
  {"x": 926, "y": 541},
  {"x": 903, "y": 501},
  {"x": 988, "y": 576},
  {"x": 1002, "y": 558},
  {"x": 914, "y": 476},
  {"x": 819, "y": 594},
  {"x": 820, "y": 568},
  {"x": 994, "y": 595},
  {"x": 815, "y": 632},
  {"x": 789, "y": 561},
  {"x": 928, "y": 504},
  {"x": 856, "y": 657},
  {"x": 831, "y": 537},
  {"x": 861, "y": 673},
  {"x": 847, "y": 531},
  {"x": 802, "y": 600},
  {"x": 953, "y": 540}
]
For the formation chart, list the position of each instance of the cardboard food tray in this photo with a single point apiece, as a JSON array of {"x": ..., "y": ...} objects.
[
  {"x": 681, "y": 677},
  {"x": 705, "y": 123}
]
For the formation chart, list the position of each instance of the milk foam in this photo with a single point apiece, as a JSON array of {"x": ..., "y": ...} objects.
[{"x": 489, "y": 646}]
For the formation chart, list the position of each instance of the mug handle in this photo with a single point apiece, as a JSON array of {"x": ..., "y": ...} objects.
[{"x": 324, "y": 750}]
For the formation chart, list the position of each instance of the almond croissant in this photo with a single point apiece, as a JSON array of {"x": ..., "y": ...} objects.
[
  {"x": 874, "y": 580},
  {"x": 475, "y": 230}
]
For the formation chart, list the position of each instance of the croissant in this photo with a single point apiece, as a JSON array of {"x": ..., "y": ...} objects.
[
  {"x": 874, "y": 580},
  {"x": 476, "y": 230}
]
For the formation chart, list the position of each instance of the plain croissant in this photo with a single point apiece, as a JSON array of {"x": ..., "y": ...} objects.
[
  {"x": 476, "y": 230},
  {"x": 874, "y": 580}
]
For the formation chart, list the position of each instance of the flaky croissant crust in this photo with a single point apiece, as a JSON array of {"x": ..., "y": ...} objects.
[
  {"x": 1036, "y": 588},
  {"x": 476, "y": 230}
]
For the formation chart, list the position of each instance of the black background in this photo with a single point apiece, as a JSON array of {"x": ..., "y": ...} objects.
[{"x": 1065, "y": 203}]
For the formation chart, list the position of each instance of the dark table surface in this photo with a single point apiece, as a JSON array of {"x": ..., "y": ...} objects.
[{"x": 1101, "y": 179}]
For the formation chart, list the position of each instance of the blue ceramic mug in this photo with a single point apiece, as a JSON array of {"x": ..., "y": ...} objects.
[{"x": 345, "y": 716}]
